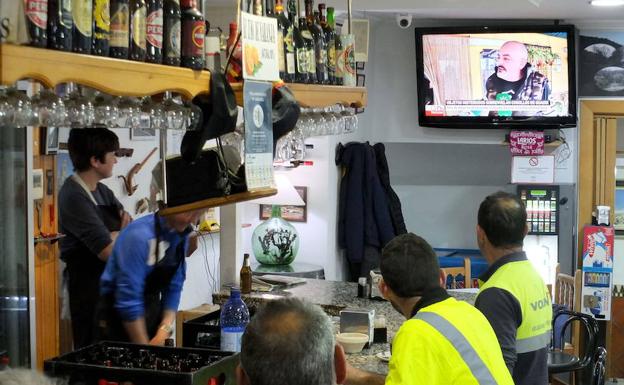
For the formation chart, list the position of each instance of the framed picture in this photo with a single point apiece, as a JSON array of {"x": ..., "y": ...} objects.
[
  {"x": 290, "y": 213},
  {"x": 142, "y": 134},
  {"x": 618, "y": 215},
  {"x": 52, "y": 140}
]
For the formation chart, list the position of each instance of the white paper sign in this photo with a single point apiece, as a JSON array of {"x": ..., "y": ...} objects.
[
  {"x": 260, "y": 55},
  {"x": 533, "y": 169}
]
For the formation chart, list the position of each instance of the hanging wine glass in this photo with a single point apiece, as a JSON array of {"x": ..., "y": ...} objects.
[
  {"x": 20, "y": 104},
  {"x": 80, "y": 110},
  {"x": 6, "y": 112},
  {"x": 129, "y": 112},
  {"x": 174, "y": 113},
  {"x": 106, "y": 111},
  {"x": 50, "y": 108}
]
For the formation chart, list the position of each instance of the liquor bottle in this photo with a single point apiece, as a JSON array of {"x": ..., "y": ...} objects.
[
  {"x": 330, "y": 39},
  {"x": 245, "y": 275},
  {"x": 101, "y": 27},
  {"x": 60, "y": 24},
  {"x": 154, "y": 31},
  {"x": 37, "y": 20},
  {"x": 320, "y": 46},
  {"x": 172, "y": 33},
  {"x": 193, "y": 34},
  {"x": 308, "y": 44},
  {"x": 280, "y": 37},
  {"x": 234, "y": 318},
  {"x": 285, "y": 48},
  {"x": 119, "y": 28},
  {"x": 234, "y": 54},
  {"x": 212, "y": 49},
  {"x": 257, "y": 8},
  {"x": 339, "y": 48},
  {"x": 138, "y": 14},
  {"x": 82, "y": 31}
]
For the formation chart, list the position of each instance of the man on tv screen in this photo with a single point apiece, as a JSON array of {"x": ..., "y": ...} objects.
[{"x": 514, "y": 78}]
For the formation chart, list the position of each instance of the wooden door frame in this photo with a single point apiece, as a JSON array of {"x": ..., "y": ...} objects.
[{"x": 595, "y": 155}]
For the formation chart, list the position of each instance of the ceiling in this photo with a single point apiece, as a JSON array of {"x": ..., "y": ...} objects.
[{"x": 489, "y": 9}]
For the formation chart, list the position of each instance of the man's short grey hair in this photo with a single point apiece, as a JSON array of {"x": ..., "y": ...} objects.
[
  {"x": 289, "y": 342},
  {"x": 26, "y": 377}
]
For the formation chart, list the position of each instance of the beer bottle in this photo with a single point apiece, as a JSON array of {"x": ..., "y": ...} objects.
[
  {"x": 119, "y": 28},
  {"x": 60, "y": 24},
  {"x": 245, "y": 275},
  {"x": 138, "y": 13},
  {"x": 171, "y": 33},
  {"x": 82, "y": 31},
  {"x": 101, "y": 27},
  {"x": 338, "y": 48},
  {"x": 330, "y": 39},
  {"x": 193, "y": 35},
  {"x": 154, "y": 31},
  {"x": 37, "y": 20}
]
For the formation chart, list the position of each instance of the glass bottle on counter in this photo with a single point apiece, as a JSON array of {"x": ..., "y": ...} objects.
[
  {"x": 60, "y": 24},
  {"x": 330, "y": 39},
  {"x": 138, "y": 14},
  {"x": 119, "y": 29},
  {"x": 286, "y": 48},
  {"x": 101, "y": 27},
  {"x": 37, "y": 21},
  {"x": 193, "y": 35},
  {"x": 172, "y": 33},
  {"x": 339, "y": 48},
  {"x": 154, "y": 31},
  {"x": 82, "y": 31},
  {"x": 234, "y": 318},
  {"x": 245, "y": 275}
]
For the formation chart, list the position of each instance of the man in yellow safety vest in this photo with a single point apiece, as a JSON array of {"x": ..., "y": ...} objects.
[
  {"x": 513, "y": 296},
  {"x": 443, "y": 341}
]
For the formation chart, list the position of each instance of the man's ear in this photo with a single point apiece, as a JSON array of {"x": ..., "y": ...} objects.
[
  {"x": 94, "y": 161},
  {"x": 526, "y": 229},
  {"x": 442, "y": 279},
  {"x": 340, "y": 364},
  {"x": 384, "y": 288},
  {"x": 241, "y": 376}
]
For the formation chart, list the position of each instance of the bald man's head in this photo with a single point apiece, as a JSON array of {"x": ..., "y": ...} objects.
[{"x": 512, "y": 58}]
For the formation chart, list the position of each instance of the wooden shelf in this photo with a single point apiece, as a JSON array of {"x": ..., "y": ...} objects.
[
  {"x": 131, "y": 78},
  {"x": 220, "y": 201}
]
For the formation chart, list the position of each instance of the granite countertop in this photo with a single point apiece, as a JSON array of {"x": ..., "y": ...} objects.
[{"x": 334, "y": 296}]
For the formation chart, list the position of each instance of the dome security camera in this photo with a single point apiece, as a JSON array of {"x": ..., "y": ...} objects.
[{"x": 404, "y": 20}]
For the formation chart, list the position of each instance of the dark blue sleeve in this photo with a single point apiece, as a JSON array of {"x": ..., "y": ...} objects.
[{"x": 504, "y": 313}]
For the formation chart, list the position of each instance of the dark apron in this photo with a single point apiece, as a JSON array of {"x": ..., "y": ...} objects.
[
  {"x": 109, "y": 326},
  {"x": 83, "y": 269}
]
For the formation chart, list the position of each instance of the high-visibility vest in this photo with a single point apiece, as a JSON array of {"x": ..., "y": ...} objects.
[
  {"x": 523, "y": 282},
  {"x": 447, "y": 343}
]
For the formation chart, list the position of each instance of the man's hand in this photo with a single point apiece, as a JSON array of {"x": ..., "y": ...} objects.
[
  {"x": 125, "y": 218},
  {"x": 192, "y": 244},
  {"x": 160, "y": 337}
]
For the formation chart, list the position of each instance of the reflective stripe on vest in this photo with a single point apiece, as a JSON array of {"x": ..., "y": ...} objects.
[
  {"x": 532, "y": 344},
  {"x": 476, "y": 365}
]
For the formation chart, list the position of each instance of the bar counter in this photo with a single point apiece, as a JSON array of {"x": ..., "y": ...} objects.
[{"x": 334, "y": 296}]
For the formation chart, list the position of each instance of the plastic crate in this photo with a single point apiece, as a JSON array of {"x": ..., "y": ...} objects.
[{"x": 144, "y": 365}]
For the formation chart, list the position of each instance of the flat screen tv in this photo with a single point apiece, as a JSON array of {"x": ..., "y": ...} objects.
[{"x": 496, "y": 77}]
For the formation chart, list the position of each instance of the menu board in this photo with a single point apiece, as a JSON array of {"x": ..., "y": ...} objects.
[{"x": 542, "y": 208}]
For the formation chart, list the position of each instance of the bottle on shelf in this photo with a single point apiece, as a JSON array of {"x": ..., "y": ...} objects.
[
  {"x": 60, "y": 24},
  {"x": 138, "y": 14},
  {"x": 339, "y": 48},
  {"x": 257, "y": 8},
  {"x": 119, "y": 29},
  {"x": 234, "y": 53},
  {"x": 320, "y": 47},
  {"x": 101, "y": 28},
  {"x": 82, "y": 31},
  {"x": 154, "y": 31},
  {"x": 193, "y": 34},
  {"x": 234, "y": 318},
  {"x": 285, "y": 44},
  {"x": 37, "y": 20},
  {"x": 308, "y": 47},
  {"x": 245, "y": 275},
  {"x": 172, "y": 33},
  {"x": 270, "y": 12},
  {"x": 330, "y": 40},
  {"x": 212, "y": 60}
]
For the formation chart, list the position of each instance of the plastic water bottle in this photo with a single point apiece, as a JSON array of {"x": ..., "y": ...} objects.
[{"x": 234, "y": 318}]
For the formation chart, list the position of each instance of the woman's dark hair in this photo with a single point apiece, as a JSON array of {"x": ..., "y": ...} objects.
[
  {"x": 502, "y": 216},
  {"x": 85, "y": 143}
]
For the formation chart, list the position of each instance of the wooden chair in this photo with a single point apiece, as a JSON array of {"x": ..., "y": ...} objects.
[{"x": 463, "y": 270}]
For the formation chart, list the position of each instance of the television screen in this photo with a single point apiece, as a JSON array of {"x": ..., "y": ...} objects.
[{"x": 491, "y": 77}]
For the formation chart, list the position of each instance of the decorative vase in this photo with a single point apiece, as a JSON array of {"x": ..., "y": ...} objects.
[{"x": 275, "y": 241}]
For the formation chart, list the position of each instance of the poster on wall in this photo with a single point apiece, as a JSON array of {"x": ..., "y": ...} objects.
[
  {"x": 601, "y": 64},
  {"x": 597, "y": 271}
]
